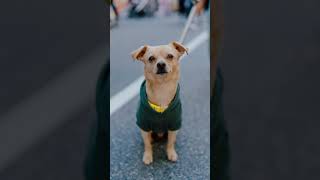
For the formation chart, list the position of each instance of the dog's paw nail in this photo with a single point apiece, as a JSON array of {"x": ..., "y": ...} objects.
[
  {"x": 172, "y": 155},
  {"x": 147, "y": 158}
]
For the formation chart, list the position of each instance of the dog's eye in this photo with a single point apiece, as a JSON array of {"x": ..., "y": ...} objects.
[
  {"x": 169, "y": 56},
  {"x": 151, "y": 58}
]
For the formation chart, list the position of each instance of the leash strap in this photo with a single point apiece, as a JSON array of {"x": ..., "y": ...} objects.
[{"x": 189, "y": 21}]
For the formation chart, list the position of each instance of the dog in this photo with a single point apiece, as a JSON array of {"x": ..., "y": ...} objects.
[{"x": 159, "y": 109}]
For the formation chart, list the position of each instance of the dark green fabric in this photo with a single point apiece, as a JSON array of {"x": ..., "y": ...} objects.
[
  {"x": 97, "y": 156},
  {"x": 221, "y": 149},
  {"x": 150, "y": 120}
]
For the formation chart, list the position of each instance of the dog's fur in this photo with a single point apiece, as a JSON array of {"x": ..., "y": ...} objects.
[{"x": 162, "y": 73}]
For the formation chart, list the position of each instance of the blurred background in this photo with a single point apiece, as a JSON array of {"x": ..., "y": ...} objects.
[
  {"x": 270, "y": 64},
  {"x": 133, "y": 24},
  {"x": 50, "y": 55}
]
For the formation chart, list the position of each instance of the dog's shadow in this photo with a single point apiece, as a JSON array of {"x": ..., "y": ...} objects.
[
  {"x": 159, "y": 147},
  {"x": 158, "y": 139}
]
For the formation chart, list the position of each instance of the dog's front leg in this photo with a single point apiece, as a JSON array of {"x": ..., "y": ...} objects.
[
  {"x": 147, "y": 155},
  {"x": 171, "y": 152}
]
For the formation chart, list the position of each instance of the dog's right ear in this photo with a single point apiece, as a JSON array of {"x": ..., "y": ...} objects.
[{"x": 139, "y": 53}]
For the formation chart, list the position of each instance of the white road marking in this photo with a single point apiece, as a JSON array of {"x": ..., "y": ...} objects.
[{"x": 129, "y": 92}]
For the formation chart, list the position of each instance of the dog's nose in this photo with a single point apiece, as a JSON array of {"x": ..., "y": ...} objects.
[{"x": 161, "y": 65}]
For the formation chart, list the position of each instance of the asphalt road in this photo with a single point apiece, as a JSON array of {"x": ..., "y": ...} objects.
[
  {"x": 271, "y": 72},
  {"x": 193, "y": 145}
]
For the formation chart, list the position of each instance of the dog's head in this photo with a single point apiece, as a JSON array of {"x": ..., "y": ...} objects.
[{"x": 160, "y": 61}]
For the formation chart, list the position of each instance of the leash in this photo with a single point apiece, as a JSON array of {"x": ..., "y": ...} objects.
[{"x": 189, "y": 21}]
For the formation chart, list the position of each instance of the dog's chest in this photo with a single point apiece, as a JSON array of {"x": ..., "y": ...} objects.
[{"x": 162, "y": 96}]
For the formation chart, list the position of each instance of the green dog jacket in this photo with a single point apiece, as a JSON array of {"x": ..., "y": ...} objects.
[{"x": 150, "y": 120}]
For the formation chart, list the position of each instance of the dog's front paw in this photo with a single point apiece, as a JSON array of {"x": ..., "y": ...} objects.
[
  {"x": 172, "y": 155},
  {"x": 147, "y": 158}
]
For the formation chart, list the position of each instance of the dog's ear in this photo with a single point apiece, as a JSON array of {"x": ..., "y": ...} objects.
[
  {"x": 179, "y": 47},
  {"x": 139, "y": 53}
]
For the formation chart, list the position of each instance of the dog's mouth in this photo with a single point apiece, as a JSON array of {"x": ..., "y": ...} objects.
[{"x": 161, "y": 72}]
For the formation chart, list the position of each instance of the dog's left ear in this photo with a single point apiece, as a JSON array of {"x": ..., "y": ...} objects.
[{"x": 179, "y": 47}]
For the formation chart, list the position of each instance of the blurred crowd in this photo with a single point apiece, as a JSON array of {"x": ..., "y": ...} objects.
[{"x": 149, "y": 8}]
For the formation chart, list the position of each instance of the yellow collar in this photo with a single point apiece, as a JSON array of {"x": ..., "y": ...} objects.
[{"x": 156, "y": 107}]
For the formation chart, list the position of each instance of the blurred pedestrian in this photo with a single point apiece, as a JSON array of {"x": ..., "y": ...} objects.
[
  {"x": 143, "y": 8},
  {"x": 114, "y": 9},
  {"x": 185, "y": 7},
  {"x": 114, "y": 14},
  {"x": 201, "y": 6}
]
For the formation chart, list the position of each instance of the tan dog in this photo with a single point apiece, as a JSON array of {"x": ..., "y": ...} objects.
[{"x": 162, "y": 72}]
